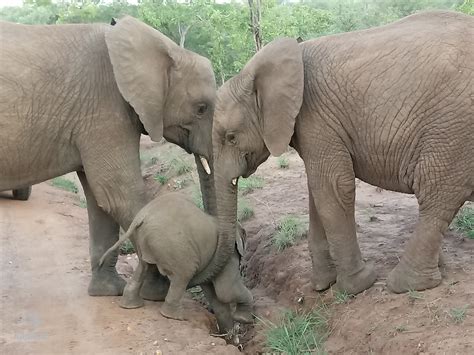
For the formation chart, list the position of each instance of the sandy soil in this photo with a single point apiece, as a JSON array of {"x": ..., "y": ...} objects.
[{"x": 45, "y": 308}]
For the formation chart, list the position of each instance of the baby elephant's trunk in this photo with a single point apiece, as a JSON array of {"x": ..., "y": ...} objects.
[{"x": 137, "y": 222}]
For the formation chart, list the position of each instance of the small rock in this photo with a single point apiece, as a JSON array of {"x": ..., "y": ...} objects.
[
  {"x": 377, "y": 205},
  {"x": 155, "y": 342},
  {"x": 213, "y": 344},
  {"x": 165, "y": 339},
  {"x": 158, "y": 352}
]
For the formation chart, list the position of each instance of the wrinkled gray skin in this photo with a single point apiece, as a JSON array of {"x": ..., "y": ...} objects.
[
  {"x": 392, "y": 106},
  {"x": 77, "y": 98},
  {"x": 175, "y": 235}
]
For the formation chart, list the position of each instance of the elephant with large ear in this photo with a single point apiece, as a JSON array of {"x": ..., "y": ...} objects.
[
  {"x": 391, "y": 106},
  {"x": 78, "y": 97}
]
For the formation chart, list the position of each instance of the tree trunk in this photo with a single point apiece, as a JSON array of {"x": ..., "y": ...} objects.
[
  {"x": 183, "y": 30},
  {"x": 255, "y": 16}
]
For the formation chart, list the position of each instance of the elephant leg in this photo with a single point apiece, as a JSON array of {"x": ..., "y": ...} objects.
[
  {"x": 418, "y": 268},
  {"x": 131, "y": 294},
  {"x": 221, "y": 310},
  {"x": 155, "y": 286},
  {"x": 103, "y": 231},
  {"x": 333, "y": 193},
  {"x": 173, "y": 307},
  {"x": 324, "y": 270},
  {"x": 230, "y": 288}
]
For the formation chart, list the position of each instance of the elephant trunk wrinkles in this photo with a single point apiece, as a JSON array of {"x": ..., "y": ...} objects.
[
  {"x": 208, "y": 189},
  {"x": 227, "y": 216}
]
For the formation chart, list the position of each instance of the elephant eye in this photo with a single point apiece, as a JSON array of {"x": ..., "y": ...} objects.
[
  {"x": 202, "y": 108},
  {"x": 230, "y": 138}
]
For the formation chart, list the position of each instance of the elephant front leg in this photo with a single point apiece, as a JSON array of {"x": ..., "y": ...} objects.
[
  {"x": 324, "y": 270},
  {"x": 131, "y": 294},
  {"x": 333, "y": 196},
  {"x": 103, "y": 231}
]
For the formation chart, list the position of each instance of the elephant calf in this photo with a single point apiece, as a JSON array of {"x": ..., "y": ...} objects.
[{"x": 171, "y": 232}]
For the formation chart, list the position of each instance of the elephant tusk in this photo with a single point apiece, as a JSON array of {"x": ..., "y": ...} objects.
[
  {"x": 205, "y": 165},
  {"x": 234, "y": 181}
]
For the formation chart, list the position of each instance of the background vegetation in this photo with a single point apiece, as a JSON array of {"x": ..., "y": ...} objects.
[{"x": 222, "y": 31}]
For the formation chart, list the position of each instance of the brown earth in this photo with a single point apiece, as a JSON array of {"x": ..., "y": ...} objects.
[{"x": 45, "y": 270}]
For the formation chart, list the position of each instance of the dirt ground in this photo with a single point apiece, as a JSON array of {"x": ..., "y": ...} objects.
[{"x": 45, "y": 308}]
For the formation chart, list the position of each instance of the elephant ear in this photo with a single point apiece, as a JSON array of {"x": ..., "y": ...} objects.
[
  {"x": 141, "y": 58},
  {"x": 241, "y": 240},
  {"x": 278, "y": 80}
]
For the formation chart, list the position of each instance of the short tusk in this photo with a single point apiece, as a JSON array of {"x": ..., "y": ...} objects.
[
  {"x": 234, "y": 181},
  {"x": 205, "y": 165}
]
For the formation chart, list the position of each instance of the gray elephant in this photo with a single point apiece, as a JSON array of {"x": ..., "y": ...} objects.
[
  {"x": 22, "y": 193},
  {"x": 77, "y": 98},
  {"x": 391, "y": 106},
  {"x": 175, "y": 235}
]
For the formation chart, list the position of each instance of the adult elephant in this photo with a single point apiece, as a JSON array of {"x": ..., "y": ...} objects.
[
  {"x": 77, "y": 98},
  {"x": 391, "y": 106}
]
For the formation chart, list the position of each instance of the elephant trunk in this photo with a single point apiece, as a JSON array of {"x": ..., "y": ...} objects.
[
  {"x": 208, "y": 189},
  {"x": 227, "y": 224}
]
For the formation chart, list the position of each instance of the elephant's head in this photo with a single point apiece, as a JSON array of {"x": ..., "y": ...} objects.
[
  {"x": 171, "y": 89},
  {"x": 254, "y": 117}
]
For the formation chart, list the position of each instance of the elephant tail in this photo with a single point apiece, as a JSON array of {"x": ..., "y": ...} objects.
[{"x": 137, "y": 222}]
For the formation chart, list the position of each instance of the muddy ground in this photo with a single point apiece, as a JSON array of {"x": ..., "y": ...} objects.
[{"x": 44, "y": 264}]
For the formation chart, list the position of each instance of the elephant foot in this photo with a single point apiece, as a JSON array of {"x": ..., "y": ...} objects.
[
  {"x": 155, "y": 287},
  {"x": 106, "y": 284},
  {"x": 323, "y": 280},
  {"x": 358, "y": 282},
  {"x": 243, "y": 314},
  {"x": 172, "y": 311},
  {"x": 131, "y": 300},
  {"x": 404, "y": 278}
]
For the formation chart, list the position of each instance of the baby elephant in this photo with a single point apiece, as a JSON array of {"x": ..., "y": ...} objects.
[{"x": 180, "y": 239}]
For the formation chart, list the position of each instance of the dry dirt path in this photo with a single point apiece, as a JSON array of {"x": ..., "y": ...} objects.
[{"x": 44, "y": 305}]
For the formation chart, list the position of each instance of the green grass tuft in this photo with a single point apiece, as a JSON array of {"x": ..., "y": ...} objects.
[
  {"x": 65, "y": 184},
  {"x": 162, "y": 179},
  {"x": 415, "y": 295},
  {"x": 464, "y": 221},
  {"x": 127, "y": 248},
  {"x": 180, "y": 165},
  {"x": 244, "y": 210},
  {"x": 249, "y": 184},
  {"x": 283, "y": 162},
  {"x": 289, "y": 230},
  {"x": 298, "y": 333},
  {"x": 458, "y": 314},
  {"x": 341, "y": 297}
]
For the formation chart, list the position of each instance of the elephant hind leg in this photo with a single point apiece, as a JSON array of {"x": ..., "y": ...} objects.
[
  {"x": 172, "y": 307},
  {"x": 418, "y": 268},
  {"x": 131, "y": 294}
]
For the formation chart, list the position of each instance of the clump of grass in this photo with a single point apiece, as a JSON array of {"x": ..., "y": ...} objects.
[
  {"x": 458, "y": 314},
  {"x": 415, "y": 295},
  {"x": 341, "y": 297},
  {"x": 65, "y": 184},
  {"x": 249, "y": 184},
  {"x": 283, "y": 162},
  {"x": 162, "y": 179},
  {"x": 127, "y": 248},
  {"x": 180, "y": 166},
  {"x": 289, "y": 230},
  {"x": 298, "y": 333},
  {"x": 464, "y": 221},
  {"x": 244, "y": 210}
]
